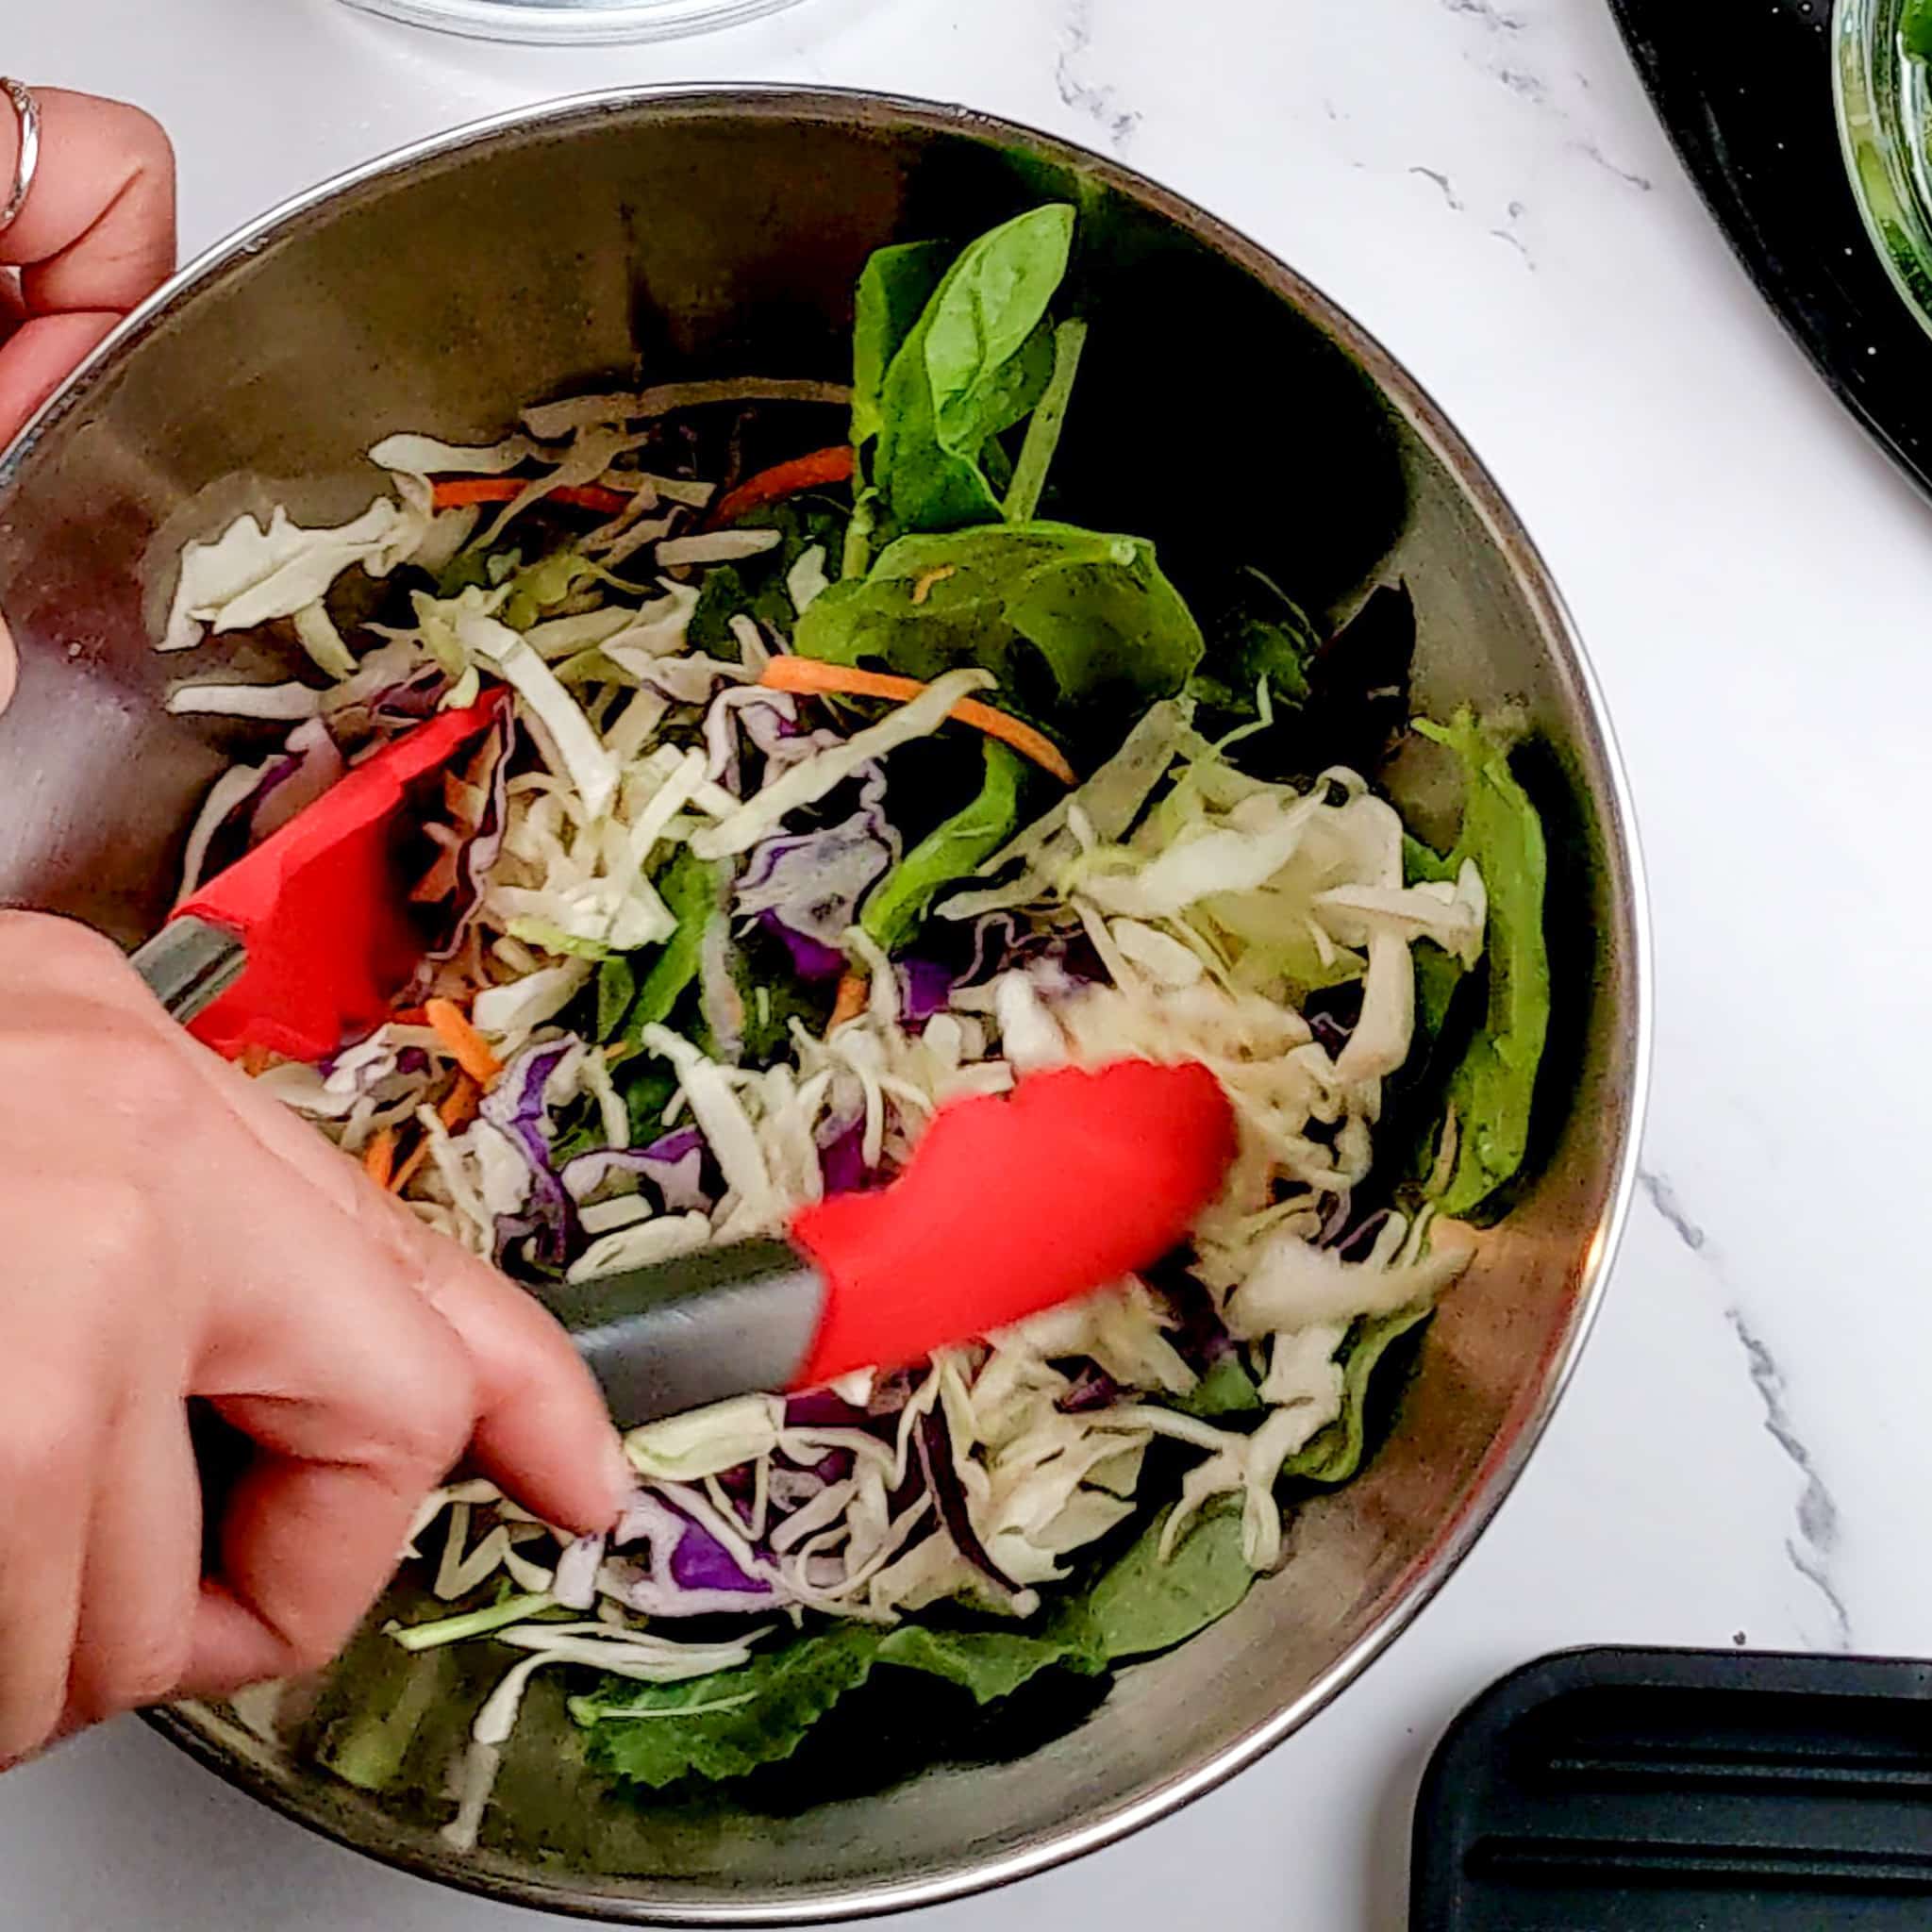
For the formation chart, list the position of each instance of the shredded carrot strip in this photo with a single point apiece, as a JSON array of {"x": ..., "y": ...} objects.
[
  {"x": 813, "y": 471},
  {"x": 810, "y": 675},
  {"x": 459, "y": 1104},
  {"x": 467, "y": 1047},
  {"x": 257, "y": 1060},
  {"x": 409, "y": 1016},
  {"x": 379, "y": 1157},
  {"x": 458, "y": 1111},
  {"x": 854, "y": 991},
  {"x": 408, "y": 1172},
  {"x": 460, "y": 492}
]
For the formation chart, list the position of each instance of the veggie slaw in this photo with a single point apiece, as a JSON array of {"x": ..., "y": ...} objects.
[{"x": 829, "y": 794}]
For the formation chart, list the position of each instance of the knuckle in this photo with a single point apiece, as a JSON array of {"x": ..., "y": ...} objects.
[
  {"x": 147, "y": 137},
  {"x": 146, "y": 1673},
  {"x": 114, "y": 1229},
  {"x": 153, "y": 1079}
]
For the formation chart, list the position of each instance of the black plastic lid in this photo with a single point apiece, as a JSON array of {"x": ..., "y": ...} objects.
[{"x": 1648, "y": 1790}]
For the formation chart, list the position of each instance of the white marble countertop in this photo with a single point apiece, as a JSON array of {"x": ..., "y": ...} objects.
[{"x": 1483, "y": 184}]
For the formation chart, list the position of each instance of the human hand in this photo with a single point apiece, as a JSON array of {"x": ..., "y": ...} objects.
[
  {"x": 94, "y": 238},
  {"x": 171, "y": 1232}
]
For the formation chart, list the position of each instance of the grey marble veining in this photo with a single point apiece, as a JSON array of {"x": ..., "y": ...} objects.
[{"x": 1099, "y": 101}]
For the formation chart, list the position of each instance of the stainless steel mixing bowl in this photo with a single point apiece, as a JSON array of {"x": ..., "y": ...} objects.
[{"x": 720, "y": 232}]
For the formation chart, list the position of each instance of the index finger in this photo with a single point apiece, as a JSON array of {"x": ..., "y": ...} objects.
[
  {"x": 97, "y": 229},
  {"x": 94, "y": 237}
]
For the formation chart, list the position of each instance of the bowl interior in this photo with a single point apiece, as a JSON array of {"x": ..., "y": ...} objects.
[{"x": 723, "y": 234}]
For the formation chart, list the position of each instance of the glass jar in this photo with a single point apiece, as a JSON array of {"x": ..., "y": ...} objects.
[
  {"x": 1882, "y": 69},
  {"x": 572, "y": 22}
]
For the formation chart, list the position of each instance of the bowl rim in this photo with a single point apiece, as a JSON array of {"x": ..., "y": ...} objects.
[{"x": 1624, "y": 865}]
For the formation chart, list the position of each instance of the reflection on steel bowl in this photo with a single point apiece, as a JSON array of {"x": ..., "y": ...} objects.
[{"x": 655, "y": 237}]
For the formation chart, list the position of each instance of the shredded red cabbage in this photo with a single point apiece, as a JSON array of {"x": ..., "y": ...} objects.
[
  {"x": 925, "y": 987},
  {"x": 671, "y": 1168},
  {"x": 934, "y": 1443},
  {"x": 515, "y": 1107}
]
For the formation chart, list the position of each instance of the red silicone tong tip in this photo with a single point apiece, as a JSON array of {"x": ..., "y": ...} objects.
[
  {"x": 317, "y": 905},
  {"x": 1012, "y": 1205}
]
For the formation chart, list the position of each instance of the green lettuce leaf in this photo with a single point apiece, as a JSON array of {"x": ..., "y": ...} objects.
[
  {"x": 1095, "y": 610},
  {"x": 897, "y": 906},
  {"x": 1493, "y": 1086}
]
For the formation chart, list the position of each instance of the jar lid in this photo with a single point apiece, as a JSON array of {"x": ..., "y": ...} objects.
[{"x": 579, "y": 22}]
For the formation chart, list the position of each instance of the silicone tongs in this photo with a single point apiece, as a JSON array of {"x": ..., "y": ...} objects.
[{"x": 1013, "y": 1203}]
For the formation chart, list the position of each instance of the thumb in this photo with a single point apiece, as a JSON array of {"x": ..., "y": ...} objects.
[{"x": 542, "y": 1432}]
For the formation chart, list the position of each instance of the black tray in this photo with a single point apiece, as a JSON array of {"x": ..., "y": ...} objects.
[
  {"x": 1744, "y": 87},
  {"x": 1661, "y": 1791}
]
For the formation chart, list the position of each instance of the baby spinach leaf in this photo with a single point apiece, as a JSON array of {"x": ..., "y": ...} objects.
[
  {"x": 1095, "y": 609},
  {"x": 1437, "y": 973},
  {"x": 689, "y": 888},
  {"x": 1491, "y": 1087},
  {"x": 755, "y": 586},
  {"x": 1260, "y": 634},
  {"x": 616, "y": 988},
  {"x": 893, "y": 289},
  {"x": 989, "y": 1663},
  {"x": 1143, "y": 1606},
  {"x": 976, "y": 361},
  {"x": 1342, "y": 701},
  {"x": 647, "y": 1087},
  {"x": 897, "y": 906},
  {"x": 727, "y": 1725},
  {"x": 1334, "y": 1453},
  {"x": 1227, "y": 1389},
  {"x": 1044, "y": 432},
  {"x": 724, "y": 1726}
]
